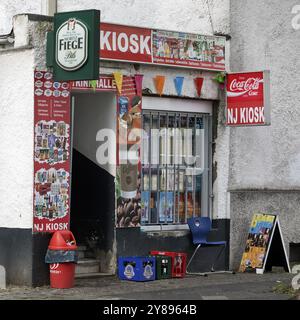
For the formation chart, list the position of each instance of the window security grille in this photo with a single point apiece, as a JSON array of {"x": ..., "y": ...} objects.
[{"x": 175, "y": 167}]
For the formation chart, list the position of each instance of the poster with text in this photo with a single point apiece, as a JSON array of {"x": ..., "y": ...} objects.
[
  {"x": 257, "y": 242},
  {"x": 52, "y": 143}
]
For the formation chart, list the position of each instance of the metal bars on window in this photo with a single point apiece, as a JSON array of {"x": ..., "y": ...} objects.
[{"x": 175, "y": 167}]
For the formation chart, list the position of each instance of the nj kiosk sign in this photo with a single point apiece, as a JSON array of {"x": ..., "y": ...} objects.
[
  {"x": 248, "y": 99},
  {"x": 73, "y": 48}
]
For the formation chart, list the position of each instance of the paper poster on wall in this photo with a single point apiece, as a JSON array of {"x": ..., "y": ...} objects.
[
  {"x": 264, "y": 247},
  {"x": 161, "y": 47},
  {"x": 52, "y": 134},
  {"x": 128, "y": 179},
  {"x": 189, "y": 50}
]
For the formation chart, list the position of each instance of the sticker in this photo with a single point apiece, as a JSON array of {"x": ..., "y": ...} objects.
[
  {"x": 56, "y": 93},
  {"x": 39, "y": 75},
  {"x": 129, "y": 272},
  {"x": 39, "y": 92},
  {"x": 39, "y": 84},
  {"x": 65, "y": 85},
  {"x": 65, "y": 93},
  {"x": 56, "y": 85},
  {"x": 48, "y": 84},
  {"x": 48, "y": 76},
  {"x": 48, "y": 93}
]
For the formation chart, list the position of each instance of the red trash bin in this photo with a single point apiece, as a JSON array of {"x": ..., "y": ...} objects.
[{"x": 62, "y": 274}]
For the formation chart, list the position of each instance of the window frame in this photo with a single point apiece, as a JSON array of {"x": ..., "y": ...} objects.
[{"x": 206, "y": 181}]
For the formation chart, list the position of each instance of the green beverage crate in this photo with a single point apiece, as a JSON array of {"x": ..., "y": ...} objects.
[{"x": 163, "y": 267}]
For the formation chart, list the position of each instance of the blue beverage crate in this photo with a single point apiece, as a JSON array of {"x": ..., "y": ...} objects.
[{"x": 137, "y": 268}]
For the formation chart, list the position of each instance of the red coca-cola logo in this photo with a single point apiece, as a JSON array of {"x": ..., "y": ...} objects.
[{"x": 240, "y": 87}]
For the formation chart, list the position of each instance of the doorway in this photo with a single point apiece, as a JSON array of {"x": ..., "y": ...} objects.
[{"x": 93, "y": 183}]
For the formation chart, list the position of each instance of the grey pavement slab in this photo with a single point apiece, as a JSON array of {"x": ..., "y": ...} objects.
[{"x": 213, "y": 287}]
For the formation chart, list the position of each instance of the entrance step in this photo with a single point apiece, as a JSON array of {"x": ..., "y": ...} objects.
[
  {"x": 85, "y": 253},
  {"x": 85, "y": 266},
  {"x": 92, "y": 275},
  {"x": 81, "y": 248}
]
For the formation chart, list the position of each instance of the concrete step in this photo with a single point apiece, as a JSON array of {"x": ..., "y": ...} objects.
[
  {"x": 81, "y": 255},
  {"x": 81, "y": 247},
  {"x": 87, "y": 266},
  {"x": 92, "y": 275}
]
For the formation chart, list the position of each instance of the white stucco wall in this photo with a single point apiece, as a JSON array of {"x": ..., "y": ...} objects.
[
  {"x": 263, "y": 38},
  {"x": 266, "y": 160},
  {"x": 16, "y": 143},
  {"x": 187, "y": 15},
  {"x": 12, "y": 7}
]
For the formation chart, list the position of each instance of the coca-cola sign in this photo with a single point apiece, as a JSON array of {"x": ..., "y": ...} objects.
[{"x": 248, "y": 98}]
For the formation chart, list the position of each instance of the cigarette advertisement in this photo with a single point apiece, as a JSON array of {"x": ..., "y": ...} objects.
[{"x": 52, "y": 133}]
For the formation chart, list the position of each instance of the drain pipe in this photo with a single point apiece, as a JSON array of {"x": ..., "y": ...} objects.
[{"x": 49, "y": 7}]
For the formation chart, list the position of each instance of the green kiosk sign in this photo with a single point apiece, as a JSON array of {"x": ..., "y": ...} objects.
[{"x": 73, "y": 48}]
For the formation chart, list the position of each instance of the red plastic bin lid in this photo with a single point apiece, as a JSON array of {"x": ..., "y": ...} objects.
[{"x": 63, "y": 240}]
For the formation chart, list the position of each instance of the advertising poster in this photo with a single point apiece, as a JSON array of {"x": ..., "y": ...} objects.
[
  {"x": 51, "y": 153},
  {"x": 257, "y": 242},
  {"x": 160, "y": 47},
  {"x": 188, "y": 50},
  {"x": 128, "y": 179},
  {"x": 248, "y": 99}
]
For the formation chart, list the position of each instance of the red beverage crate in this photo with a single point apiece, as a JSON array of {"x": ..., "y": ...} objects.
[{"x": 178, "y": 262}]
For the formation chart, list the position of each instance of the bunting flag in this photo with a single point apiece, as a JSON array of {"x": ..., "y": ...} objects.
[
  {"x": 199, "y": 84},
  {"x": 159, "y": 84},
  {"x": 139, "y": 83},
  {"x": 119, "y": 80},
  {"x": 179, "y": 84},
  {"x": 93, "y": 84}
]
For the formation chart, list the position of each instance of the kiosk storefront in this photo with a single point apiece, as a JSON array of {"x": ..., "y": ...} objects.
[{"x": 125, "y": 160}]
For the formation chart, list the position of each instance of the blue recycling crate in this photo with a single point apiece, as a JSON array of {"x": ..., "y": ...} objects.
[{"x": 137, "y": 268}]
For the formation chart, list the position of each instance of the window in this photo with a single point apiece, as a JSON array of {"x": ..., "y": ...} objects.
[{"x": 175, "y": 167}]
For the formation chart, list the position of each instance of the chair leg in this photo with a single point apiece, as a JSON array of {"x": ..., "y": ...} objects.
[
  {"x": 216, "y": 260},
  {"x": 187, "y": 267}
]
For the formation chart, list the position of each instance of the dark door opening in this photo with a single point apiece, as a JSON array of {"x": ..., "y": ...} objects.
[{"x": 93, "y": 184}]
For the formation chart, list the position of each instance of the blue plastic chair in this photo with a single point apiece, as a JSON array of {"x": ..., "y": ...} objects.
[{"x": 200, "y": 228}]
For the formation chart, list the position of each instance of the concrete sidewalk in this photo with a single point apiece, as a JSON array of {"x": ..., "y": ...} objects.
[{"x": 213, "y": 287}]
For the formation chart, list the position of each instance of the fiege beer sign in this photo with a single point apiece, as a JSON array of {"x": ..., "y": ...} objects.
[
  {"x": 248, "y": 99},
  {"x": 72, "y": 45}
]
